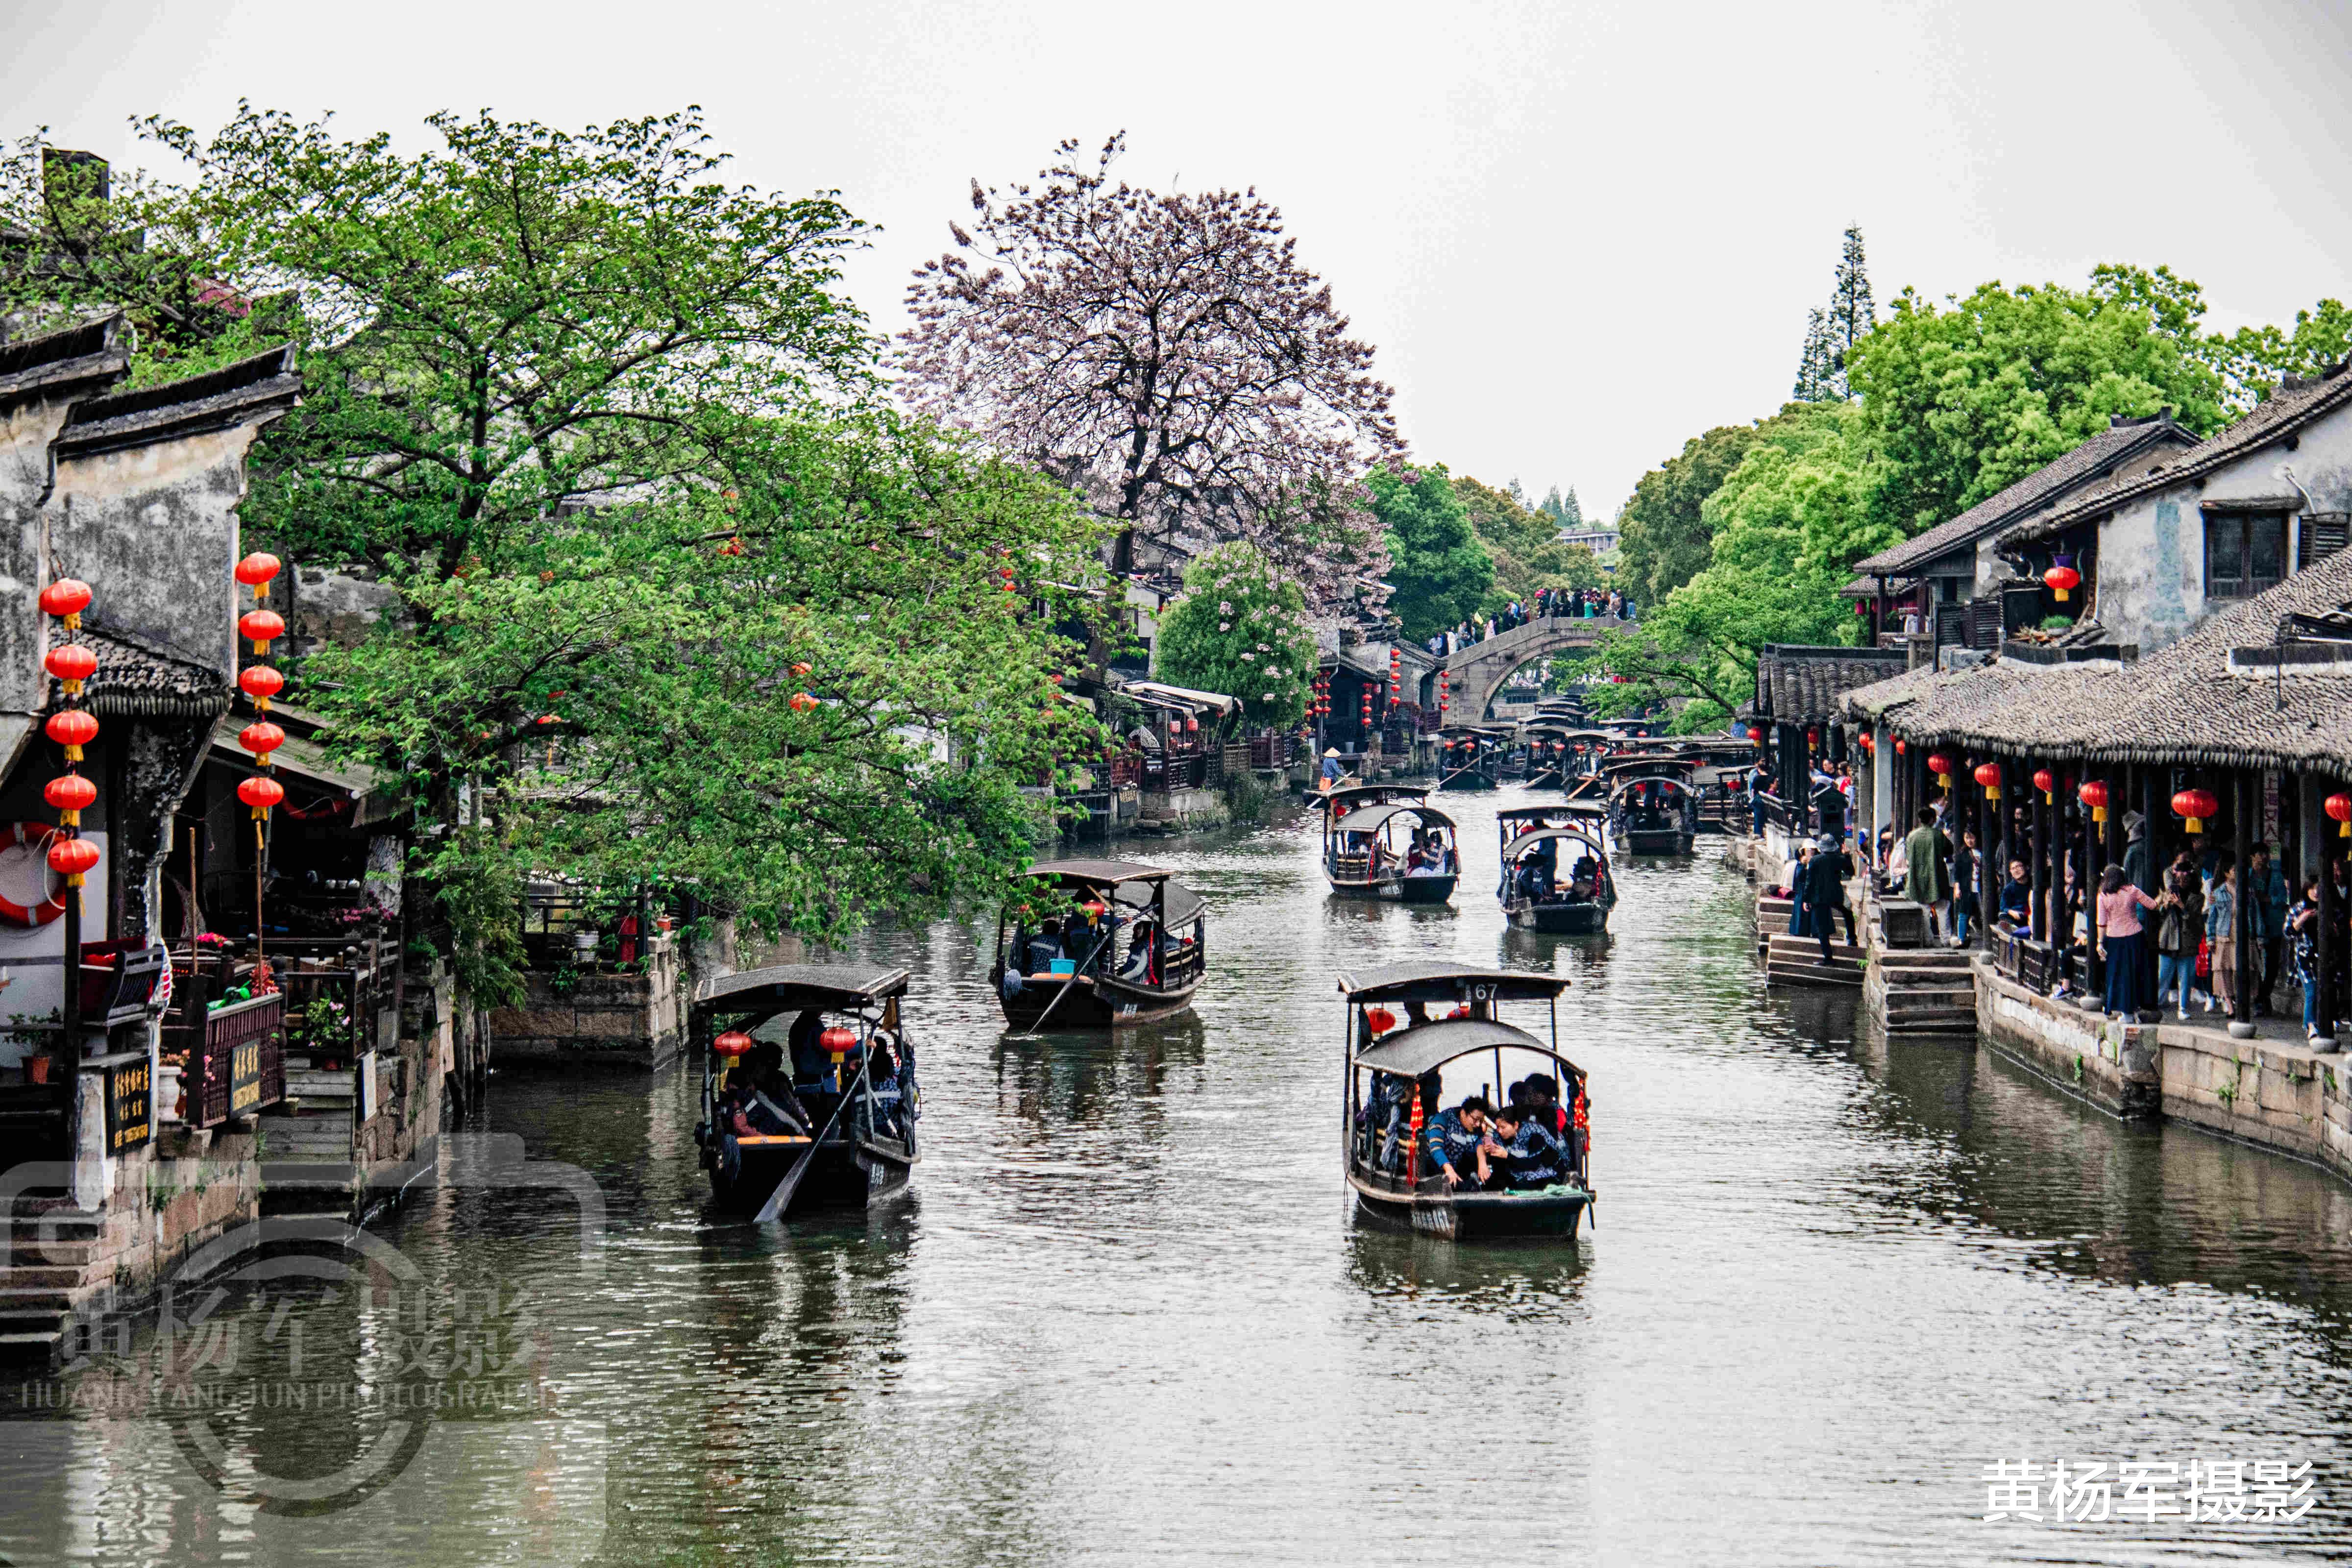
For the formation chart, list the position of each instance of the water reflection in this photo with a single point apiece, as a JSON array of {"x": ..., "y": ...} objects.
[{"x": 1123, "y": 1313}]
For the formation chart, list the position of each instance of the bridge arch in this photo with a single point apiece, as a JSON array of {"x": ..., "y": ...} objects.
[{"x": 1476, "y": 672}]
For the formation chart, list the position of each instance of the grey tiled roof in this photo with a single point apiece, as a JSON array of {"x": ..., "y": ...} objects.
[
  {"x": 2182, "y": 705},
  {"x": 249, "y": 392},
  {"x": 1801, "y": 685},
  {"x": 2294, "y": 404},
  {"x": 2046, "y": 487},
  {"x": 79, "y": 359}
]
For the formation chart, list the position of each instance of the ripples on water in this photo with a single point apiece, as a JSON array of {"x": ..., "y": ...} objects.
[{"x": 1123, "y": 1316}]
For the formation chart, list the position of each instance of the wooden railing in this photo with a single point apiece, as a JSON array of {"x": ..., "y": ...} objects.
[{"x": 239, "y": 1064}]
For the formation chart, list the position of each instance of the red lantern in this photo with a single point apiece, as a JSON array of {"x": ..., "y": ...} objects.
[
  {"x": 69, "y": 858},
  {"x": 1190, "y": 723},
  {"x": 1866, "y": 741},
  {"x": 1901, "y": 747},
  {"x": 1756, "y": 733},
  {"x": 2047, "y": 782},
  {"x": 801, "y": 702},
  {"x": 260, "y": 626},
  {"x": 261, "y": 737},
  {"x": 66, "y": 598},
  {"x": 2196, "y": 805},
  {"x": 2339, "y": 809},
  {"x": 261, "y": 794},
  {"x": 802, "y": 667},
  {"x": 73, "y": 730},
  {"x": 733, "y": 1043},
  {"x": 71, "y": 796},
  {"x": 1941, "y": 766},
  {"x": 2094, "y": 795},
  {"x": 261, "y": 682},
  {"x": 72, "y": 663},
  {"x": 837, "y": 1042},
  {"x": 2060, "y": 578},
  {"x": 1989, "y": 775},
  {"x": 256, "y": 571},
  {"x": 1379, "y": 1020}
]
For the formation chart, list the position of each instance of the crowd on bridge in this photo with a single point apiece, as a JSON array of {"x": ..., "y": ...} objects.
[{"x": 1574, "y": 604}]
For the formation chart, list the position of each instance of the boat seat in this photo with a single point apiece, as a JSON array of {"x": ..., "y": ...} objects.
[{"x": 768, "y": 1140}]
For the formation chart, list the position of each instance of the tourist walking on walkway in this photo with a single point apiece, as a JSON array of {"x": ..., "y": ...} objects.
[
  {"x": 1823, "y": 892},
  {"x": 2179, "y": 927},
  {"x": 2302, "y": 928},
  {"x": 2222, "y": 931},
  {"x": 2120, "y": 902},
  {"x": 1924, "y": 855},
  {"x": 1967, "y": 870}
]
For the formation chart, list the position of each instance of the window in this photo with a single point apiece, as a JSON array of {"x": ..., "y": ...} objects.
[
  {"x": 2245, "y": 553},
  {"x": 2324, "y": 534}
]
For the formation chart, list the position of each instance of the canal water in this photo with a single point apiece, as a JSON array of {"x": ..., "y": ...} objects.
[{"x": 1124, "y": 1316}]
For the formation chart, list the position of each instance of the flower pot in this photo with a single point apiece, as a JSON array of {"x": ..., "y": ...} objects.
[{"x": 36, "y": 1069}]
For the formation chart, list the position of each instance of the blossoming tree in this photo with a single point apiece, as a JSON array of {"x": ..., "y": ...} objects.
[
  {"x": 1168, "y": 356},
  {"x": 1240, "y": 629}
]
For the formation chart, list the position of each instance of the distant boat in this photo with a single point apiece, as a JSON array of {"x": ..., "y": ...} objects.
[
  {"x": 1535, "y": 893},
  {"x": 1364, "y": 855},
  {"x": 1141, "y": 954}
]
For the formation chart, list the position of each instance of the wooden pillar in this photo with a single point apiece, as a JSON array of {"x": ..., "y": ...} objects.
[
  {"x": 2330, "y": 944},
  {"x": 2245, "y": 800},
  {"x": 2150, "y": 778},
  {"x": 2039, "y": 860},
  {"x": 2095, "y": 965},
  {"x": 1991, "y": 878}
]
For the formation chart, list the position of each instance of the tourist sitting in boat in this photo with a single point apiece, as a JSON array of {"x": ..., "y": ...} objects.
[
  {"x": 812, "y": 1068},
  {"x": 1083, "y": 933},
  {"x": 1044, "y": 949},
  {"x": 1144, "y": 955},
  {"x": 759, "y": 1101},
  {"x": 1522, "y": 1155},
  {"x": 1387, "y": 1118},
  {"x": 1451, "y": 1141}
]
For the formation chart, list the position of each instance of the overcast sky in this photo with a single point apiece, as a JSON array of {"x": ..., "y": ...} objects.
[{"x": 1579, "y": 233}]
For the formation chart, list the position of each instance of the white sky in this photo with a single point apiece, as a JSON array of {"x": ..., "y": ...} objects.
[{"x": 1579, "y": 233}]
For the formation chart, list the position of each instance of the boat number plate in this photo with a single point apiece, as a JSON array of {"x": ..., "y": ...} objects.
[{"x": 1126, "y": 1010}]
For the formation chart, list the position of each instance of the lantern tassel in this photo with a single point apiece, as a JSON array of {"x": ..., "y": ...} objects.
[
  {"x": 73, "y": 754},
  {"x": 2060, "y": 594},
  {"x": 69, "y": 817},
  {"x": 2098, "y": 814},
  {"x": 2196, "y": 825}
]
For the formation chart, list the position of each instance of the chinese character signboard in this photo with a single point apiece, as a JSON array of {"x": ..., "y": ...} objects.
[{"x": 129, "y": 1104}]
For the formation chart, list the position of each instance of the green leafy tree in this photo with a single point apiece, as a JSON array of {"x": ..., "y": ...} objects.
[
  {"x": 1962, "y": 400},
  {"x": 1240, "y": 629},
  {"x": 1665, "y": 533},
  {"x": 1436, "y": 564},
  {"x": 1524, "y": 545},
  {"x": 682, "y": 603}
]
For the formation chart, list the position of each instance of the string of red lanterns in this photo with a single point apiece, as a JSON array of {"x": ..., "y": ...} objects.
[
  {"x": 70, "y": 855},
  {"x": 261, "y": 626}
]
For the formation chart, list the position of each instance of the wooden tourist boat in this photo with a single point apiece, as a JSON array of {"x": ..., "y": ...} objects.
[
  {"x": 1654, "y": 814},
  {"x": 1142, "y": 952},
  {"x": 1422, "y": 1036},
  {"x": 808, "y": 1087},
  {"x": 1535, "y": 894},
  {"x": 1371, "y": 836},
  {"x": 1469, "y": 757},
  {"x": 1550, "y": 756}
]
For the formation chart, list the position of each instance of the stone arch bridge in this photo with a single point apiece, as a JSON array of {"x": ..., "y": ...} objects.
[{"x": 1474, "y": 672}]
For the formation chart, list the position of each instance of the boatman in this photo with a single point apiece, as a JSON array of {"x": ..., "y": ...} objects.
[
  {"x": 1330, "y": 769},
  {"x": 1451, "y": 1138}
]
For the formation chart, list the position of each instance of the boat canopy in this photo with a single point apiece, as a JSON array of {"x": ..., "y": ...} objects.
[
  {"x": 1097, "y": 873},
  {"x": 1410, "y": 1053},
  {"x": 1559, "y": 808},
  {"x": 1182, "y": 902},
  {"x": 1647, "y": 760},
  {"x": 1526, "y": 841},
  {"x": 1354, "y": 795},
  {"x": 1432, "y": 980},
  {"x": 795, "y": 987},
  {"x": 1373, "y": 818},
  {"x": 1668, "y": 780}
]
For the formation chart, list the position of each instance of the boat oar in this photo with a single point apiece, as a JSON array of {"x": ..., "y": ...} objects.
[{"x": 781, "y": 1197}]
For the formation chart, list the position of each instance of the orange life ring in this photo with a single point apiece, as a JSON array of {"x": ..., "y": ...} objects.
[{"x": 38, "y": 836}]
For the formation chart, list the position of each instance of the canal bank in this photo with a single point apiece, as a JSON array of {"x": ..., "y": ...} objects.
[
  {"x": 1122, "y": 1315},
  {"x": 2266, "y": 1088}
]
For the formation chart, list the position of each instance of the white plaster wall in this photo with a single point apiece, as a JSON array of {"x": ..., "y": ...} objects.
[{"x": 2151, "y": 579}]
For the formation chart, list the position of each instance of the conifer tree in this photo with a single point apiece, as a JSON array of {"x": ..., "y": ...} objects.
[
  {"x": 1814, "y": 373},
  {"x": 1851, "y": 311}
]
